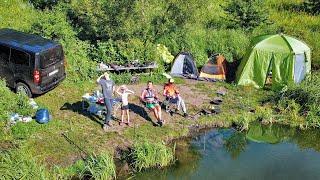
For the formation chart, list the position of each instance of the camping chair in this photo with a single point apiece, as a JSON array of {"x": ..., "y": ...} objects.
[{"x": 170, "y": 105}]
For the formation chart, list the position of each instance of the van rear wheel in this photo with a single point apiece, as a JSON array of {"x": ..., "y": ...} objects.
[{"x": 23, "y": 88}]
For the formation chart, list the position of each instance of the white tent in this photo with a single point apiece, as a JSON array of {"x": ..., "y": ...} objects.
[{"x": 184, "y": 65}]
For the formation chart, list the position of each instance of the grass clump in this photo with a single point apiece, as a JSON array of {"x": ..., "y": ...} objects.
[
  {"x": 148, "y": 155},
  {"x": 21, "y": 165},
  {"x": 99, "y": 167},
  {"x": 300, "y": 103},
  {"x": 12, "y": 103}
]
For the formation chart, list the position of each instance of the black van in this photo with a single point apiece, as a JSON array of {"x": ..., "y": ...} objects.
[{"x": 30, "y": 64}]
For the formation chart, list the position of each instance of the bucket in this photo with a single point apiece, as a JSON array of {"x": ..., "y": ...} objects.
[{"x": 42, "y": 116}]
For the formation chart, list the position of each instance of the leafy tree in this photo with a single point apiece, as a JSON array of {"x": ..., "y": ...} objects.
[
  {"x": 44, "y": 4},
  {"x": 246, "y": 14},
  {"x": 312, "y": 6}
]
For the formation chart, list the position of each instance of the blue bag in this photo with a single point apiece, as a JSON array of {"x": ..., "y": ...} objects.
[{"x": 42, "y": 116}]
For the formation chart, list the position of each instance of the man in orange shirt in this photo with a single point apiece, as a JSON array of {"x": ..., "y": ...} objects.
[{"x": 171, "y": 92}]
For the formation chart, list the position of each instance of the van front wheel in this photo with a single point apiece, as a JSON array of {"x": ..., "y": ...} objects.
[{"x": 23, "y": 88}]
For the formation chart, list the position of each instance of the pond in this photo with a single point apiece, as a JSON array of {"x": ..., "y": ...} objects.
[{"x": 263, "y": 152}]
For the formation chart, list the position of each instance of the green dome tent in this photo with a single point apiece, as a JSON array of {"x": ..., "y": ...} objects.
[{"x": 287, "y": 58}]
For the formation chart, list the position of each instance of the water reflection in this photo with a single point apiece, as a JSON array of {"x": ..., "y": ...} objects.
[{"x": 263, "y": 152}]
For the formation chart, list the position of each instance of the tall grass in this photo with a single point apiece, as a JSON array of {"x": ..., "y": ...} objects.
[
  {"x": 21, "y": 165},
  {"x": 99, "y": 167},
  {"x": 301, "y": 101},
  {"x": 148, "y": 155}
]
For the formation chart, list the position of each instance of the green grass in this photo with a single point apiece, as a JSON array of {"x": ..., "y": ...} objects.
[
  {"x": 99, "y": 167},
  {"x": 21, "y": 165},
  {"x": 63, "y": 159},
  {"x": 150, "y": 154}
]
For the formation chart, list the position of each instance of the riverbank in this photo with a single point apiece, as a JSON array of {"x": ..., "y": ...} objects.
[
  {"x": 62, "y": 157},
  {"x": 264, "y": 151}
]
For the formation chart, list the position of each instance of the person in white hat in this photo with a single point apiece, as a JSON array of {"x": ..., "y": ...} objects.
[
  {"x": 123, "y": 91},
  {"x": 108, "y": 88}
]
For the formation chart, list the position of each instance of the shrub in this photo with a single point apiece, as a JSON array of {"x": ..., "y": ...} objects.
[
  {"x": 21, "y": 165},
  {"x": 44, "y": 4},
  {"x": 147, "y": 155},
  {"x": 13, "y": 103},
  {"x": 312, "y": 6},
  {"x": 301, "y": 100},
  {"x": 99, "y": 167},
  {"x": 246, "y": 14},
  {"x": 54, "y": 25}
]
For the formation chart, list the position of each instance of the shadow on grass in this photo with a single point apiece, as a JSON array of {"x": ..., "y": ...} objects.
[
  {"x": 141, "y": 112},
  {"x": 77, "y": 107}
]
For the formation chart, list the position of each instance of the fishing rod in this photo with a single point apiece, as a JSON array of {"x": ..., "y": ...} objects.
[{"x": 77, "y": 146}]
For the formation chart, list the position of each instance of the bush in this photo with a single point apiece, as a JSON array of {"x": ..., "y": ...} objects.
[
  {"x": 147, "y": 155},
  {"x": 301, "y": 100},
  {"x": 54, "y": 25},
  {"x": 312, "y": 6},
  {"x": 13, "y": 103},
  {"x": 21, "y": 165},
  {"x": 99, "y": 167},
  {"x": 246, "y": 14},
  {"x": 44, "y": 4}
]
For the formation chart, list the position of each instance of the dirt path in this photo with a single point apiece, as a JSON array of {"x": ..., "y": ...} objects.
[{"x": 193, "y": 98}]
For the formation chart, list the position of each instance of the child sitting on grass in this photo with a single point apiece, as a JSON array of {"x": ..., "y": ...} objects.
[{"x": 123, "y": 91}]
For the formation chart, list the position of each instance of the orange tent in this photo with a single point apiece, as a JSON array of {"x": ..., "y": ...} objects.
[{"x": 215, "y": 68}]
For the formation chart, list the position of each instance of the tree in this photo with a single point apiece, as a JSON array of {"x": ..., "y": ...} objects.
[
  {"x": 44, "y": 4},
  {"x": 246, "y": 14},
  {"x": 312, "y": 6}
]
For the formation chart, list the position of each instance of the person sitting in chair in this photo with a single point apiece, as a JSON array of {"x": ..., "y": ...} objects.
[
  {"x": 150, "y": 98},
  {"x": 172, "y": 95}
]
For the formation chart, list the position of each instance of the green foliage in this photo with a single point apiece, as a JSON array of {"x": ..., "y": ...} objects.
[
  {"x": 312, "y": 6},
  {"x": 54, "y": 25},
  {"x": 147, "y": 155},
  {"x": 264, "y": 113},
  {"x": 99, "y": 167},
  {"x": 44, "y": 4},
  {"x": 17, "y": 14},
  {"x": 301, "y": 101},
  {"x": 236, "y": 144},
  {"x": 7, "y": 99},
  {"x": 246, "y": 14},
  {"x": 21, "y": 165},
  {"x": 13, "y": 103},
  {"x": 25, "y": 130}
]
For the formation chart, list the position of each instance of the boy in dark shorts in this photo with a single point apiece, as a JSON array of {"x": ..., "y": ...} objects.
[{"x": 123, "y": 91}]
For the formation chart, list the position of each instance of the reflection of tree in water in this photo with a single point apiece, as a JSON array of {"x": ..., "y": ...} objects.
[
  {"x": 307, "y": 139},
  {"x": 236, "y": 144},
  {"x": 188, "y": 159},
  {"x": 271, "y": 134},
  {"x": 259, "y": 133}
]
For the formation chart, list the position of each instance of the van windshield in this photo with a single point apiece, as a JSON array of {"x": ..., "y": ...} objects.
[{"x": 51, "y": 56}]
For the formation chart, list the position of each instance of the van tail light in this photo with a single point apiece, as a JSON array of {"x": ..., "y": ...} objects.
[{"x": 36, "y": 76}]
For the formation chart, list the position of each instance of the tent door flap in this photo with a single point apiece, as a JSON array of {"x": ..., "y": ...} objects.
[{"x": 299, "y": 68}]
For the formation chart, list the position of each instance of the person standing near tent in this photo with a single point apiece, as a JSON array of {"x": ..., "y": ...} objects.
[
  {"x": 150, "y": 98},
  {"x": 108, "y": 88},
  {"x": 171, "y": 92}
]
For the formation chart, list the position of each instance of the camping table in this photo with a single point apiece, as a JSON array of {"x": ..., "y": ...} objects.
[
  {"x": 123, "y": 68},
  {"x": 92, "y": 101}
]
